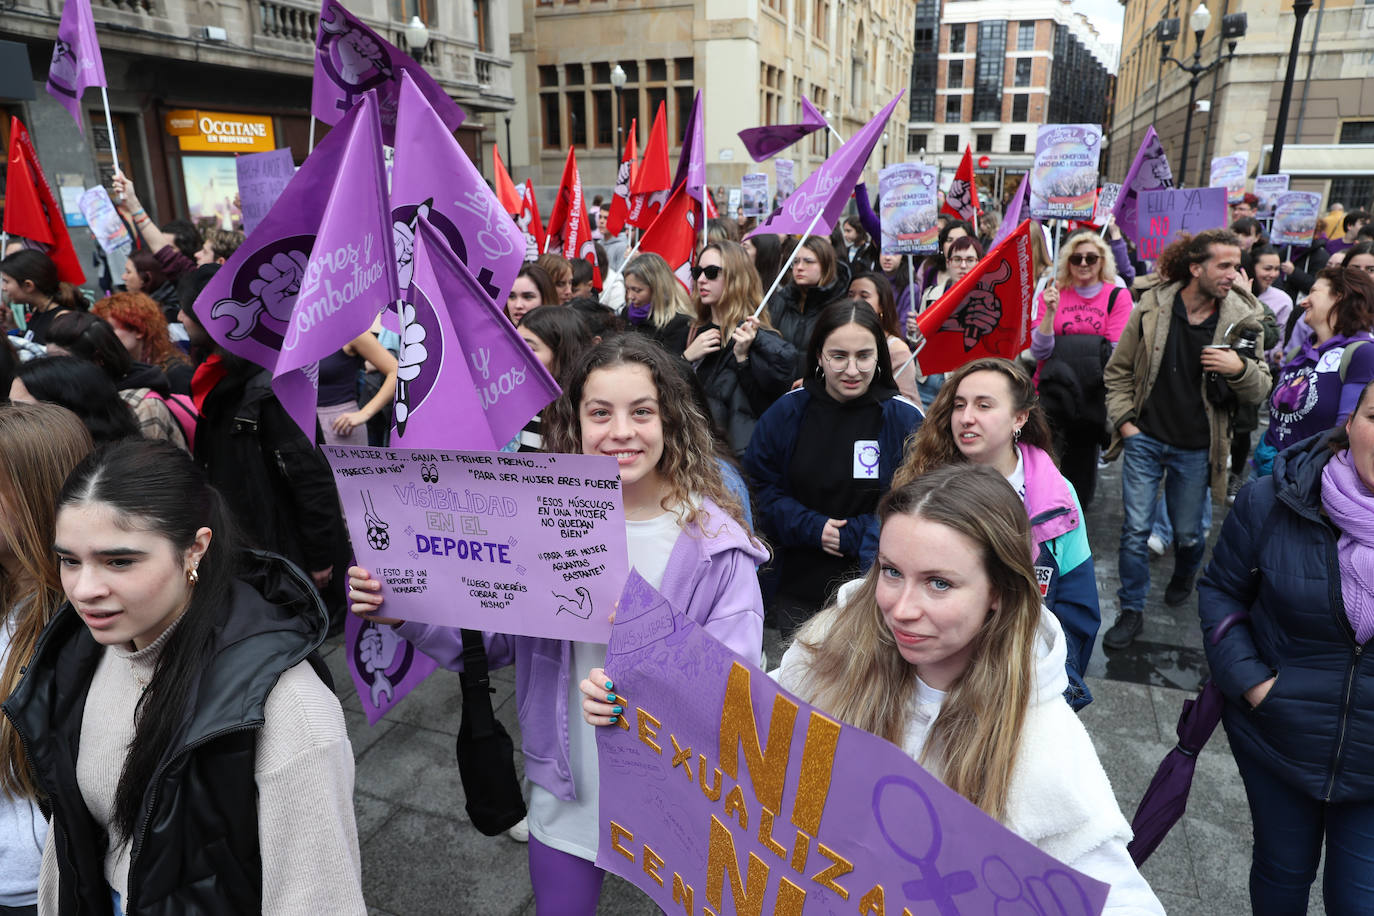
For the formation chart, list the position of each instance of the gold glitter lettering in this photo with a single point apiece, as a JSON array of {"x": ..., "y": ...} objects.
[
  {"x": 766, "y": 835},
  {"x": 813, "y": 787},
  {"x": 683, "y": 893},
  {"x": 713, "y": 793},
  {"x": 767, "y": 769},
  {"x": 682, "y": 757},
  {"x": 790, "y": 899},
  {"x": 617, "y": 833},
  {"x": 734, "y": 804},
  {"x": 721, "y": 861},
  {"x": 647, "y": 724},
  {"x": 652, "y": 862},
  {"x": 873, "y": 902},
  {"x": 841, "y": 868},
  {"x": 801, "y": 849}
]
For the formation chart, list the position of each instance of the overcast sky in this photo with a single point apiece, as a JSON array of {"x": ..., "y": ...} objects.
[{"x": 1105, "y": 15}]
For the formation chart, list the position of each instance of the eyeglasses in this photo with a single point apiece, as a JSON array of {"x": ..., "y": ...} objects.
[
  {"x": 1079, "y": 260},
  {"x": 838, "y": 362},
  {"x": 964, "y": 262},
  {"x": 712, "y": 271}
]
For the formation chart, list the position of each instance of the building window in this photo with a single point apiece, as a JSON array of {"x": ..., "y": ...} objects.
[
  {"x": 577, "y": 118},
  {"x": 685, "y": 95},
  {"x": 427, "y": 10},
  {"x": 819, "y": 99},
  {"x": 983, "y": 143},
  {"x": 924, "y": 61},
  {"x": 658, "y": 71},
  {"x": 553, "y": 128},
  {"x": 1023, "y": 71},
  {"x": 987, "y": 84},
  {"x": 954, "y": 76},
  {"x": 548, "y": 76},
  {"x": 820, "y": 20},
  {"x": 951, "y": 143},
  {"x": 770, "y": 94},
  {"x": 575, "y": 75},
  {"x": 1025, "y": 36},
  {"x": 1018, "y": 143},
  {"x": 1355, "y": 193},
  {"x": 956, "y": 39},
  {"x": 684, "y": 69},
  {"x": 481, "y": 16},
  {"x": 1357, "y": 132},
  {"x": 915, "y": 143},
  {"x": 605, "y": 129},
  {"x": 1020, "y": 107},
  {"x": 954, "y": 109}
]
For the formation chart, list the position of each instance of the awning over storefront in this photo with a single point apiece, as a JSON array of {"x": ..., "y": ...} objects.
[{"x": 1325, "y": 160}]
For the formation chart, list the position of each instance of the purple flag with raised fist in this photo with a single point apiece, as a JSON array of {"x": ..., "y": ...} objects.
[
  {"x": 1012, "y": 219},
  {"x": 76, "y": 62},
  {"x": 383, "y": 665},
  {"x": 826, "y": 190},
  {"x": 1149, "y": 171},
  {"x": 765, "y": 142},
  {"x": 691, "y": 162},
  {"x": 350, "y": 59},
  {"x": 316, "y": 271},
  {"x": 466, "y": 379},
  {"x": 433, "y": 178}
]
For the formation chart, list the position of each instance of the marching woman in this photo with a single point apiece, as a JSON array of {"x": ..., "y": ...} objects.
[
  {"x": 945, "y": 649},
  {"x": 655, "y": 303},
  {"x": 532, "y": 288},
  {"x": 874, "y": 290},
  {"x": 822, "y": 456},
  {"x": 29, "y": 278},
  {"x": 987, "y": 414},
  {"x": 1288, "y": 600},
  {"x": 630, "y": 400},
  {"x": 39, "y": 446},
  {"x": 742, "y": 363},
  {"x": 192, "y": 755},
  {"x": 559, "y": 337},
  {"x": 818, "y": 279}
]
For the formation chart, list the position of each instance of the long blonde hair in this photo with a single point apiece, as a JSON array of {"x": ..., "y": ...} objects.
[
  {"x": 666, "y": 294},
  {"x": 39, "y": 446},
  {"x": 741, "y": 294},
  {"x": 857, "y": 674}
]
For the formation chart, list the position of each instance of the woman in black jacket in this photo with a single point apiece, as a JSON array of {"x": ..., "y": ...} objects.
[
  {"x": 818, "y": 279},
  {"x": 1289, "y": 600},
  {"x": 742, "y": 363}
]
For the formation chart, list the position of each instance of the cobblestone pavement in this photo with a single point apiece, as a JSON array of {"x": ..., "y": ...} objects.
[{"x": 421, "y": 856}]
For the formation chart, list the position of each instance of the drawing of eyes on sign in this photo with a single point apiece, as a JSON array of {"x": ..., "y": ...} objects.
[
  {"x": 735, "y": 795},
  {"x": 531, "y": 544}
]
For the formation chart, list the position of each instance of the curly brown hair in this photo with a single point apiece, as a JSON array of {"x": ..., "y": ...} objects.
[{"x": 1176, "y": 260}]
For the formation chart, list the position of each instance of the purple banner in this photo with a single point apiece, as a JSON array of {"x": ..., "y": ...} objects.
[
  {"x": 1267, "y": 189},
  {"x": 812, "y": 817},
  {"x": 763, "y": 142},
  {"x": 532, "y": 544},
  {"x": 384, "y": 666},
  {"x": 76, "y": 61},
  {"x": 1012, "y": 218},
  {"x": 262, "y": 178},
  {"x": 1165, "y": 213},
  {"x": 907, "y": 195},
  {"x": 691, "y": 161},
  {"x": 1149, "y": 171},
  {"x": 1229, "y": 172},
  {"x": 1064, "y": 177},
  {"x": 1295, "y": 218}
]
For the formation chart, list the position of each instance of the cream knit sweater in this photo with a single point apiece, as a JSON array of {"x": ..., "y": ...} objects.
[{"x": 304, "y": 774}]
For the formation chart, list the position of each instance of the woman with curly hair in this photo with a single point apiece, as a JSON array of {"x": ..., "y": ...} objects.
[{"x": 139, "y": 324}]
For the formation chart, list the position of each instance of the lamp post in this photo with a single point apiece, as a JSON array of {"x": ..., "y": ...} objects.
[
  {"x": 827, "y": 115},
  {"x": 617, "y": 81},
  {"x": 417, "y": 36},
  {"x": 1198, "y": 22},
  {"x": 884, "y": 149},
  {"x": 510, "y": 159},
  {"x": 1300, "y": 8}
]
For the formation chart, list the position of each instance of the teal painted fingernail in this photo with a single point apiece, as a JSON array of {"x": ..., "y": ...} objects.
[
  {"x": 613, "y": 718},
  {"x": 610, "y": 698},
  {"x": 616, "y": 709},
  {"x": 609, "y": 685}
]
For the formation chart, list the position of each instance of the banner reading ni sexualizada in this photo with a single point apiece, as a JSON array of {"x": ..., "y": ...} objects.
[
  {"x": 532, "y": 544},
  {"x": 723, "y": 793}
]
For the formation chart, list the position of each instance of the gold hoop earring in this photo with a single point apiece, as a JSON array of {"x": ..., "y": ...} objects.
[{"x": 192, "y": 575}]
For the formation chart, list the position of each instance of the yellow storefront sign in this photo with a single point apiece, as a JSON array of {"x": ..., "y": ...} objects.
[{"x": 223, "y": 132}]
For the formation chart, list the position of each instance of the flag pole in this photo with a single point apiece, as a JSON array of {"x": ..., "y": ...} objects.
[
  {"x": 311, "y": 148},
  {"x": 782, "y": 271},
  {"x": 109, "y": 128}
]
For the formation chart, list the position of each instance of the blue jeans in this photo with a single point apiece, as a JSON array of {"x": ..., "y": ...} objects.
[
  {"x": 1289, "y": 829},
  {"x": 1164, "y": 529},
  {"x": 1185, "y": 472},
  {"x": 930, "y": 388}
]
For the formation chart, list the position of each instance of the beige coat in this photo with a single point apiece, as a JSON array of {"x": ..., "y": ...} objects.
[{"x": 1130, "y": 374}]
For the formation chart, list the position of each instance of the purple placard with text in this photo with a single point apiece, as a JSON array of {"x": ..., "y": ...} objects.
[
  {"x": 1064, "y": 176},
  {"x": 262, "y": 178},
  {"x": 799, "y": 814},
  {"x": 532, "y": 544},
  {"x": 1164, "y": 213},
  {"x": 907, "y": 197}
]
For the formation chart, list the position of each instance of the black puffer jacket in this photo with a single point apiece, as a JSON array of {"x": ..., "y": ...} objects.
[
  {"x": 794, "y": 311},
  {"x": 739, "y": 392},
  {"x": 196, "y": 851},
  {"x": 1276, "y": 562},
  {"x": 1071, "y": 389}
]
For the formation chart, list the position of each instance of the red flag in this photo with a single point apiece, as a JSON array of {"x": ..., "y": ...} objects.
[
  {"x": 505, "y": 188},
  {"x": 673, "y": 235},
  {"x": 987, "y": 313},
  {"x": 569, "y": 228},
  {"x": 961, "y": 200},
  {"x": 624, "y": 178},
  {"x": 654, "y": 178},
  {"x": 529, "y": 222},
  {"x": 31, "y": 211}
]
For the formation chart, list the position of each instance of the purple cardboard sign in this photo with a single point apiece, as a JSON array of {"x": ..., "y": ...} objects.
[
  {"x": 1064, "y": 176},
  {"x": 262, "y": 178},
  {"x": 1164, "y": 213},
  {"x": 909, "y": 206},
  {"x": 384, "y": 666},
  {"x": 799, "y": 814},
  {"x": 532, "y": 544}
]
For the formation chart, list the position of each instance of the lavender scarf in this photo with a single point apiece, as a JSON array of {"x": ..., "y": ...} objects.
[
  {"x": 637, "y": 313},
  {"x": 1350, "y": 505}
]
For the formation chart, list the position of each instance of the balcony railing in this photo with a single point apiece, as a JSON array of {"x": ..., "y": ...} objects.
[
  {"x": 130, "y": 6},
  {"x": 287, "y": 22}
]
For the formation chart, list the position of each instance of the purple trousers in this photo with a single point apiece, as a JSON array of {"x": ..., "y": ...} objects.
[{"x": 564, "y": 885}]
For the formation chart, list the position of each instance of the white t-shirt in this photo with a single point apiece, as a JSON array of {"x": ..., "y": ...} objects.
[{"x": 571, "y": 826}]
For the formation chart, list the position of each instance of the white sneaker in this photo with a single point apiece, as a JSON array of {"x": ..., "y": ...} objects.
[
  {"x": 520, "y": 832},
  {"x": 1157, "y": 545}
]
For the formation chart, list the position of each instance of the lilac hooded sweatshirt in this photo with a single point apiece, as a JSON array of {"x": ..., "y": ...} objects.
[{"x": 710, "y": 578}]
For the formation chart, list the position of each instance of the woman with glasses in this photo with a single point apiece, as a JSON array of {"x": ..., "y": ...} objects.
[
  {"x": 1079, "y": 318},
  {"x": 822, "y": 456},
  {"x": 959, "y": 257},
  {"x": 743, "y": 364},
  {"x": 818, "y": 279}
]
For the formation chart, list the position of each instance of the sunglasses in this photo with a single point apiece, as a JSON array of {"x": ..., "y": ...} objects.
[
  {"x": 1078, "y": 260},
  {"x": 711, "y": 271}
]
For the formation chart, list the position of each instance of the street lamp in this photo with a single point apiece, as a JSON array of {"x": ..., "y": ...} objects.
[
  {"x": 618, "y": 81},
  {"x": 1233, "y": 29},
  {"x": 884, "y": 149},
  {"x": 417, "y": 35},
  {"x": 1300, "y": 8}
]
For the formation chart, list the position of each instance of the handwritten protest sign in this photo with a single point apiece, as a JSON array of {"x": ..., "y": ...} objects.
[
  {"x": 755, "y": 188},
  {"x": 1165, "y": 212},
  {"x": 1267, "y": 189},
  {"x": 109, "y": 230},
  {"x": 812, "y": 817},
  {"x": 1295, "y": 217},
  {"x": 1229, "y": 172},
  {"x": 532, "y": 544},
  {"x": 1106, "y": 202},
  {"x": 262, "y": 178},
  {"x": 1064, "y": 177},
  {"x": 907, "y": 193},
  {"x": 787, "y": 177}
]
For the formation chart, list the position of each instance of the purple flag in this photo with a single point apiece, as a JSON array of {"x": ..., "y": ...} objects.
[
  {"x": 433, "y": 178},
  {"x": 691, "y": 162},
  {"x": 1149, "y": 171},
  {"x": 350, "y": 59},
  {"x": 466, "y": 379},
  {"x": 1012, "y": 218},
  {"x": 827, "y": 190},
  {"x": 766, "y": 142},
  {"x": 384, "y": 666},
  {"x": 76, "y": 61},
  {"x": 316, "y": 271}
]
